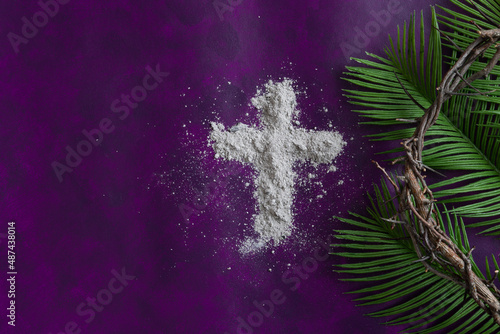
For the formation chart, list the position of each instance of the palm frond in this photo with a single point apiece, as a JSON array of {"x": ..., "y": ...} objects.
[
  {"x": 465, "y": 137},
  {"x": 424, "y": 301}
]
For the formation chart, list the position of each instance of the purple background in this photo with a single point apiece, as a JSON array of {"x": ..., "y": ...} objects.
[{"x": 119, "y": 208}]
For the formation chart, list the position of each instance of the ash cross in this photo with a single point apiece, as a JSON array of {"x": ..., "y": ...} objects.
[{"x": 272, "y": 149}]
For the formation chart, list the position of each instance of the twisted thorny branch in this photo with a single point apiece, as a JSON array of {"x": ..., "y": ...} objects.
[{"x": 431, "y": 243}]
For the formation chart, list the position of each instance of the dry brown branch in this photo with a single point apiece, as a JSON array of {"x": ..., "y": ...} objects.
[{"x": 415, "y": 198}]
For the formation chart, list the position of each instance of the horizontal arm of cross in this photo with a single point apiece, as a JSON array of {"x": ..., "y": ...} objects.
[
  {"x": 239, "y": 145},
  {"x": 319, "y": 147}
]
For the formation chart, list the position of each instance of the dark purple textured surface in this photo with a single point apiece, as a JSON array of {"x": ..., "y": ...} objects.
[{"x": 119, "y": 208}]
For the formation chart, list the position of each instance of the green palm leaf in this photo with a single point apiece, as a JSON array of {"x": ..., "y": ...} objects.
[
  {"x": 465, "y": 137},
  {"x": 425, "y": 302}
]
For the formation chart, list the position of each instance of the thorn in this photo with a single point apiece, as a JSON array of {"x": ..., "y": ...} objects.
[
  {"x": 495, "y": 276},
  {"x": 470, "y": 251},
  {"x": 406, "y": 120},
  {"x": 477, "y": 26},
  {"x": 393, "y": 221},
  {"x": 422, "y": 260},
  {"x": 408, "y": 94}
]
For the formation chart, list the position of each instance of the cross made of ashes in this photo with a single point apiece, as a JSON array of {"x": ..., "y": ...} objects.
[{"x": 272, "y": 149}]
